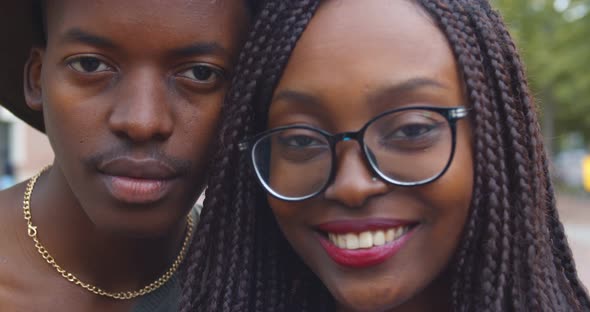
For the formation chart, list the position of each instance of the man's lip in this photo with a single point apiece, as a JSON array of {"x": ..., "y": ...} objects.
[
  {"x": 361, "y": 225},
  {"x": 137, "y": 191},
  {"x": 146, "y": 168}
]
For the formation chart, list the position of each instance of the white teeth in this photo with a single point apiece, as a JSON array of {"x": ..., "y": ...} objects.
[
  {"x": 367, "y": 239},
  {"x": 340, "y": 241},
  {"x": 378, "y": 238},
  {"x": 389, "y": 235},
  {"x": 352, "y": 241},
  {"x": 399, "y": 231}
]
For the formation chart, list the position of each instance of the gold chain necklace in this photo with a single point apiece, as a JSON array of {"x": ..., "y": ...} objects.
[{"x": 32, "y": 231}]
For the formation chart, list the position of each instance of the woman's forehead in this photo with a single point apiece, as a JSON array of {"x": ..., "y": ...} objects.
[
  {"x": 369, "y": 44},
  {"x": 371, "y": 24}
]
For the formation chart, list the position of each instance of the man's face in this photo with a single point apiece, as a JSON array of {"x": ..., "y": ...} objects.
[{"x": 131, "y": 93}]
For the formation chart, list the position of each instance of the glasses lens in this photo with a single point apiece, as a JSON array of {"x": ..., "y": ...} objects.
[
  {"x": 293, "y": 162},
  {"x": 409, "y": 146}
]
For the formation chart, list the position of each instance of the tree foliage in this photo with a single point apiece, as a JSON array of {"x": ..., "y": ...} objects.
[{"x": 554, "y": 40}]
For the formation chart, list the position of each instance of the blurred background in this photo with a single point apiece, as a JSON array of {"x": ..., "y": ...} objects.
[{"x": 553, "y": 37}]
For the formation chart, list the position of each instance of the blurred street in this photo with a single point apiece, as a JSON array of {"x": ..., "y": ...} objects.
[{"x": 575, "y": 214}]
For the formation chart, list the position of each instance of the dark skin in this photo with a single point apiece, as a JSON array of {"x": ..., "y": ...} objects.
[
  {"x": 355, "y": 60},
  {"x": 125, "y": 87}
]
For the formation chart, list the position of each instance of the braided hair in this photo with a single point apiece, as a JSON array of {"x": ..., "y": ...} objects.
[{"x": 513, "y": 255}]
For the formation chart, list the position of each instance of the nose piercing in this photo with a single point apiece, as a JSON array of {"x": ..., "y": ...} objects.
[{"x": 374, "y": 179}]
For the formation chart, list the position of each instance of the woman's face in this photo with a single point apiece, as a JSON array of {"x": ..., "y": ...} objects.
[{"x": 357, "y": 59}]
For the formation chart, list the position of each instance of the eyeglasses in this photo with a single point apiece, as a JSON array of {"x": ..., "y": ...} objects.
[{"x": 410, "y": 146}]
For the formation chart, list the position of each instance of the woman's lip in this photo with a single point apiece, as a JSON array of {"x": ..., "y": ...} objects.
[
  {"x": 137, "y": 191},
  {"x": 362, "y": 225},
  {"x": 365, "y": 257}
]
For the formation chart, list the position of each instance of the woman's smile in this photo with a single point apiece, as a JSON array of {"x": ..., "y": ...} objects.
[{"x": 365, "y": 242}]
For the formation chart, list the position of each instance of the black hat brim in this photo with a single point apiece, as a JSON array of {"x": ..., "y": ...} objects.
[{"x": 18, "y": 33}]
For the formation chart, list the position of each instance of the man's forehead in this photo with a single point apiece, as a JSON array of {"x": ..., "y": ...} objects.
[{"x": 125, "y": 21}]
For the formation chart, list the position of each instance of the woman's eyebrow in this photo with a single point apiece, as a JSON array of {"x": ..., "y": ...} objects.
[
  {"x": 400, "y": 89},
  {"x": 298, "y": 97},
  {"x": 378, "y": 94}
]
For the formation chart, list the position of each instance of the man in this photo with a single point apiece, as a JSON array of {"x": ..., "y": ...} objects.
[{"x": 128, "y": 93}]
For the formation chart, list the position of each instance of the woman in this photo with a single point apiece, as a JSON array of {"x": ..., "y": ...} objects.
[{"x": 382, "y": 156}]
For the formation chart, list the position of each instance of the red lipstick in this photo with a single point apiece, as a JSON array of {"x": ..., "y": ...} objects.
[{"x": 364, "y": 257}]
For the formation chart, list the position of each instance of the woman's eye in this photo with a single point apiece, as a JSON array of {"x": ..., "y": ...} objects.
[
  {"x": 413, "y": 130},
  {"x": 299, "y": 141},
  {"x": 89, "y": 64},
  {"x": 202, "y": 73}
]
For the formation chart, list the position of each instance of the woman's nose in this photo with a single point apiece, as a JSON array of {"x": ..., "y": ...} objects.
[{"x": 354, "y": 181}]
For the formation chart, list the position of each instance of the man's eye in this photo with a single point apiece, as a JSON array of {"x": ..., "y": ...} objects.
[
  {"x": 202, "y": 73},
  {"x": 89, "y": 64}
]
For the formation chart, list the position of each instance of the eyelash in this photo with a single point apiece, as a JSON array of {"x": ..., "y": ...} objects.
[
  {"x": 214, "y": 73},
  {"x": 214, "y": 76},
  {"x": 75, "y": 64}
]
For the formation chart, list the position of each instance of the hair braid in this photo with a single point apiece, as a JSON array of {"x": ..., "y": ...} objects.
[
  {"x": 489, "y": 42},
  {"x": 551, "y": 273},
  {"x": 563, "y": 255},
  {"x": 239, "y": 248},
  {"x": 542, "y": 276},
  {"x": 192, "y": 268}
]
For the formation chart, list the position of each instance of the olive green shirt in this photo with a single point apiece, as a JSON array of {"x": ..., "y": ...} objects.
[
  {"x": 167, "y": 297},
  {"x": 164, "y": 299}
]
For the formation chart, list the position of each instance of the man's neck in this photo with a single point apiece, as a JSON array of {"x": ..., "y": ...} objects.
[{"x": 112, "y": 261}]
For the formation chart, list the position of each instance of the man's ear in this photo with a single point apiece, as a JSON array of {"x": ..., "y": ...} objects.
[{"x": 32, "y": 79}]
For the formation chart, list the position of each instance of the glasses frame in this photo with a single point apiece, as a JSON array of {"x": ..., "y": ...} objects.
[{"x": 451, "y": 114}]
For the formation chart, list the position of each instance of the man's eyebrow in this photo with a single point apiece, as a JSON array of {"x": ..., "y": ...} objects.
[
  {"x": 199, "y": 48},
  {"x": 400, "y": 89},
  {"x": 77, "y": 35}
]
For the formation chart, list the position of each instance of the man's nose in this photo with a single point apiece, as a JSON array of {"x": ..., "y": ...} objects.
[
  {"x": 142, "y": 110},
  {"x": 353, "y": 183}
]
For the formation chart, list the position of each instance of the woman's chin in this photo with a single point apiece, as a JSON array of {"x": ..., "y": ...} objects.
[{"x": 366, "y": 300}]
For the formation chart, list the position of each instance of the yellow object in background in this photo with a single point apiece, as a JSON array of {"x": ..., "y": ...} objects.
[{"x": 586, "y": 172}]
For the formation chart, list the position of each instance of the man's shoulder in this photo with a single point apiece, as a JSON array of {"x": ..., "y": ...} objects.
[
  {"x": 10, "y": 199},
  {"x": 10, "y": 255},
  {"x": 11, "y": 217}
]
